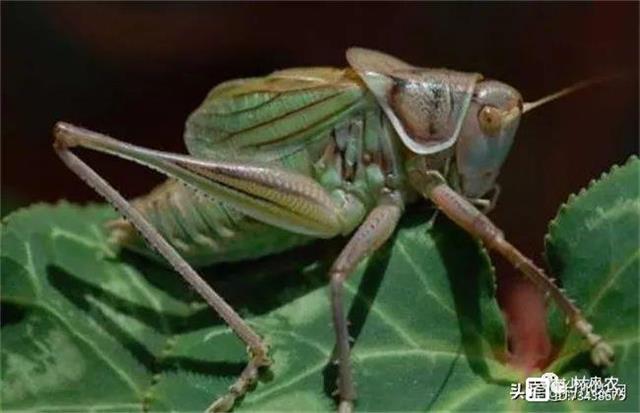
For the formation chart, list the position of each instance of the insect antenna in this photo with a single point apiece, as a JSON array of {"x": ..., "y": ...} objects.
[{"x": 529, "y": 106}]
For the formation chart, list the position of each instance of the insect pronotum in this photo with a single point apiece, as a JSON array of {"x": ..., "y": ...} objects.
[{"x": 317, "y": 152}]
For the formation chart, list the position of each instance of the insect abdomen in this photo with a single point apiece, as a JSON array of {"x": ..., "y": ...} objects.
[{"x": 204, "y": 231}]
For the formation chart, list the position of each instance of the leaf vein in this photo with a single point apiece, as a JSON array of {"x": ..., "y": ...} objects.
[
  {"x": 423, "y": 278},
  {"x": 390, "y": 321},
  {"x": 610, "y": 279}
]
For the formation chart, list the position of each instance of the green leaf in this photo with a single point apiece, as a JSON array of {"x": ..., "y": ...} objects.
[
  {"x": 593, "y": 246},
  {"x": 92, "y": 329},
  {"x": 89, "y": 327}
]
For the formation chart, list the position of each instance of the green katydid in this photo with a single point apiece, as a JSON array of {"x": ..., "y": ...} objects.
[{"x": 314, "y": 153}]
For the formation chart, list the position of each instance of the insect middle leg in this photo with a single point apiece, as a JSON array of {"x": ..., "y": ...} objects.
[
  {"x": 463, "y": 213},
  {"x": 372, "y": 233}
]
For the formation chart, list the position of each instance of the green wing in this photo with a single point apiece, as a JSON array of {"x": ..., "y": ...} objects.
[
  {"x": 286, "y": 117},
  {"x": 272, "y": 117}
]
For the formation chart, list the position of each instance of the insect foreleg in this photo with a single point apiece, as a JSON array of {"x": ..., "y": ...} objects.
[
  {"x": 372, "y": 233},
  {"x": 473, "y": 221},
  {"x": 257, "y": 348}
]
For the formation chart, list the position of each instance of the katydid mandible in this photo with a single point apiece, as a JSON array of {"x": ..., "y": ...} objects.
[{"x": 309, "y": 153}]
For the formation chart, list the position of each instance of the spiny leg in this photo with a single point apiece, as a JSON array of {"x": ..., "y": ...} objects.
[
  {"x": 473, "y": 221},
  {"x": 257, "y": 348},
  {"x": 265, "y": 192},
  {"x": 372, "y": 233}
]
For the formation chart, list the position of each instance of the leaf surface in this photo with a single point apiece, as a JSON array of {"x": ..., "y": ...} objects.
[
  {"x": 594, "y": 247},
  {"x": 87, "y": 327}
]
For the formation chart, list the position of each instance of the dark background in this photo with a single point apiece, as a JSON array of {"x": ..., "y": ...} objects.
[{"x": 136, "y": 71}]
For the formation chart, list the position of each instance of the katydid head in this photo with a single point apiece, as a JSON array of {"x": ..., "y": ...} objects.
[
  {"x": 486, "y": 137},
  {"x": 488, "y": 130},
  {"x": 433, "y": 110}
]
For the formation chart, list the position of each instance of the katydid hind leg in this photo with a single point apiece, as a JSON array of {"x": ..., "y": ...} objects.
[
  {"x": 267, "y": 193},
  {"x": 256, "y": 346},
  {"x": 372, "y": 233},
  {"x": 479, "y": 225}
]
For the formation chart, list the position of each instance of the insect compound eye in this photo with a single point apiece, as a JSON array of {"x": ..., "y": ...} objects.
[{"x": 490, "y": 120}]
